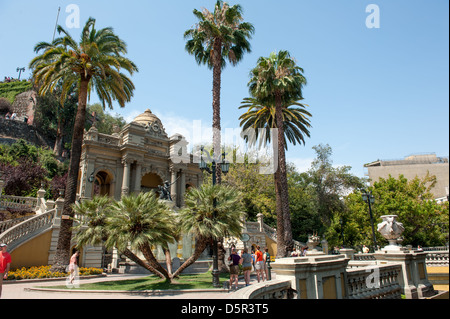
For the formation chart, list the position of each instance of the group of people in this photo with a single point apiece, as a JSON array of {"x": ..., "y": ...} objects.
[
  {"x": 10, "y": 116},
  {"x": 257, "y": 260},
  {"x": 8, "y": 79},
  {"x": 301, "y": 253}
]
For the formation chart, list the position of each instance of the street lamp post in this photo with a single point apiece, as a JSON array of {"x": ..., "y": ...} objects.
[
  {"x": 369, "y": 199},
  {"x": 342, "y": 232},
  {"x": 225, "y": 168}
]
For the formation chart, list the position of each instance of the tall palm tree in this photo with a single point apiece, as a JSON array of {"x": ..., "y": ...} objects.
[
  {"x": 219, "y": 36},
  {"x": 95, "y": 63},
  {"x": 276, "y": 84},
  {"x": 211, "y": 211}
]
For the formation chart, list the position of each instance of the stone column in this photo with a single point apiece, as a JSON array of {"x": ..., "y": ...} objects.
[
  {"x": 137, "y": 182},
  {"x": 126, "y": 177},
  {"x": 183, "y": 187},
  {"x": 173, "y": 187},
  {"x": 260, "y": 217}
]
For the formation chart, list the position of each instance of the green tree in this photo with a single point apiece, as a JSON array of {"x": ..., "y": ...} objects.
[
  {"x": 219, "y": 36},
  {"x": 276, "y": 83},
  {"x": 211, "y": 212},
  {"x": 426, "y": 221},
  {"x": 104, "y": 122},
  {"x": 57, "y": 119},
  {"x": 258, "y": 195},
  {"x": 93, "y": 64},
  {"x": 329, "y": 183}
]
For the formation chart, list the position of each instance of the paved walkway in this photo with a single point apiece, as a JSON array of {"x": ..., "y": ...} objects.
[{"x": 28, "y": 290}]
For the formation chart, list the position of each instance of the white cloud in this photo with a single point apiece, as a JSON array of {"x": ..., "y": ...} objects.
[{"x": 301, "y": 164}]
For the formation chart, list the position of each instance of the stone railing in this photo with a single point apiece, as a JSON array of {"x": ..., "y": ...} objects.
[
  {"x": 26, "y": 229},
  {"x": 438, "y": 248},
  {"x": 273, "y": 289},
  {"x": 18, "y": 203},
  {"x": 375, "y": 282},
  {"x": 363, "y": 257},
  {"x": 108, "y": 139},
  {"x": 12, "y": 222},
  {"x": 437, "y": 259}
]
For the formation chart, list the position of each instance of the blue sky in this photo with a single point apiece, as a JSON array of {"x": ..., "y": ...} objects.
[{"x": 374, "y": 93}]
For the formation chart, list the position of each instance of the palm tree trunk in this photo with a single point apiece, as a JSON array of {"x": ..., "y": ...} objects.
[
  {"x": 62, "y": 255},
  {"x": 166, "y": 251},
  {"x": 217, "y": 79},
  {"x": 57, "y": 150},
  {"x": 217, "y": 139},
  {"x": 148, "y": 254},
  {"x": 282, "y": 186},
  {"x": 200, "y": 246},
  {"x": 130, "y": 255}
]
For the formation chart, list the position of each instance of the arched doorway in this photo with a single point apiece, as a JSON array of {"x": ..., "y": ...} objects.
[
  {"x": 102, "y": 184},
  {"x": 150, "y": 182}
]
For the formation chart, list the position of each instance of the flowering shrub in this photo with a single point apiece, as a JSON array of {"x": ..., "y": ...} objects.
[{"x": 44, "y": 272}]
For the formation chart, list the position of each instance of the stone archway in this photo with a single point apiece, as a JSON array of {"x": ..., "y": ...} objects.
[
  {"x": 150, "y": 182},
  {"x": 103, "y": 184}
]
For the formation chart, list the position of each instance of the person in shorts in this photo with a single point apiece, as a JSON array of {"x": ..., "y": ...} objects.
[
  {"x": 246, "y": 261},
  {"x": 259, "y": 259},
  {"x": 234, "y": 260},
  {"x": 5, "y": 262}
]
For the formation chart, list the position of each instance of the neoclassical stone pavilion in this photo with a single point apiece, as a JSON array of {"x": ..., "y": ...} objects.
[{"x": 139, "y": 158}]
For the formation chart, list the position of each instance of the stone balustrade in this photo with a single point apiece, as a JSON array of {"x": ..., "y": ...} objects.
[
  {"x": 273, "y": 289},
  {"x": 18, "y": 203},
  {"x": 12, "y": 222},
  {"x": 20, "y": 232},
  {"x": 437, "y": 259},
  {"x": 374, "y": 282}
]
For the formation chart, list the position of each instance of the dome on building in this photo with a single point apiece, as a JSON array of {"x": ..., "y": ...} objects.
[{"x": 146, "y": 118}]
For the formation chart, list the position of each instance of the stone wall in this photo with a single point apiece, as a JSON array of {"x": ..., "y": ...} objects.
[{"x": 12, "y": 130}]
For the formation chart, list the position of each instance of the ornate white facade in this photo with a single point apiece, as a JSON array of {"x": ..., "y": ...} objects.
[{"x": 140, "y": 157}]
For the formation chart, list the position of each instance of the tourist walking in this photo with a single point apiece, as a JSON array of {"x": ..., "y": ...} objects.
[
  {"x": 246, "y": 261},
  {"x": 73, "y": 267},
  {"x": 5, "y": 263},
  {"x": 259, "y": 264},
  {"x": 234, "y": 261}
]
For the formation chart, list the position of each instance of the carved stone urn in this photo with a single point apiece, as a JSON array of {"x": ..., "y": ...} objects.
[
  {"x": 392, "y": 230},
  {"x": 313, "y": 241}
]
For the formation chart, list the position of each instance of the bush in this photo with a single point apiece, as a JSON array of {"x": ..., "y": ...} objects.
[
  {"x": 5, "y": 105},
  {"x": 44, "y": 272}
]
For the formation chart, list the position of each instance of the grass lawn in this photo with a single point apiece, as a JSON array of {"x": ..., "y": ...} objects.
[{"x": 152, "y": 282}]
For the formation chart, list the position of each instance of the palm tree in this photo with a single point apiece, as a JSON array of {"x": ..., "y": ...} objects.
[
  {"x": 276, "y": 85},
  {"x": 211, "y": 211},
  {"x": 135, "y": 223},
  {"x": 139, "y": 221},
  {"x": 95, "y": 63},
  {"x": 219, "y": 36},
  {"x": 258, "y": 116}
]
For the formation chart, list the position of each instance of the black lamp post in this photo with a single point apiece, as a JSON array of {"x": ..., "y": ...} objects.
[
  {"x": 225, "y": 168},
  {"x": 342, "y": 232},
  {"x": 369, "y": 199}
]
